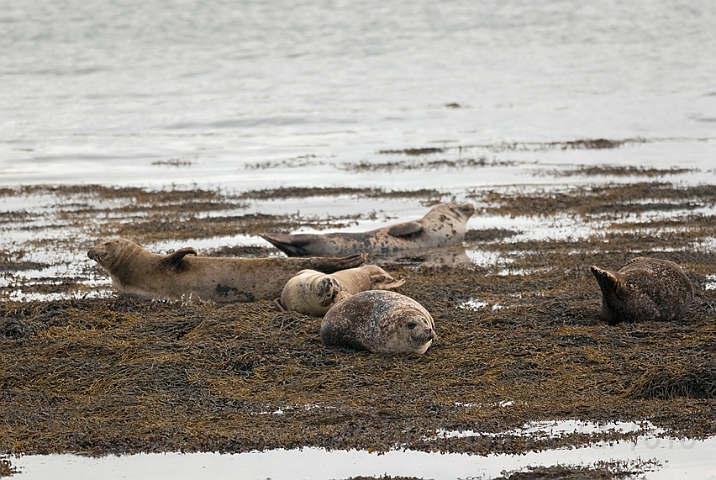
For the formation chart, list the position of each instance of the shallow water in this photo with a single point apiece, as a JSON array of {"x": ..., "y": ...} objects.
[
  {"x": 677, "y": 458},
  {"x": 156, "y": 93}
]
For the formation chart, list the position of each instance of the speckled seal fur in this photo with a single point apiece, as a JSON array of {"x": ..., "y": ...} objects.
[
  {"x": 379, "y": 321},
  {"x": 644, "y": 289},
  {"x": 183, "y": 275},
  {"x": 443, "y": 225},
  {"x": 313, "y": 293}
]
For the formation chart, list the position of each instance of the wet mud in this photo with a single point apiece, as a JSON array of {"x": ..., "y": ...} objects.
[{"x": 520, "y": 338}]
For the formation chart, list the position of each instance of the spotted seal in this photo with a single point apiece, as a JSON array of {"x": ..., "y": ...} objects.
[
  {"x": 379, "y": 321},
  {"x": 443, "y": 225},
  {"x": 644, "y": 289},
  {"x": 313, "y": 293},
  {"x": 184, "y": 275}
]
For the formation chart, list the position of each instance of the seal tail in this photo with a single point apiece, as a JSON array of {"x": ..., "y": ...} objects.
[
  {"x": 333, "y": 264},
  {"x": 290, "y": 244}
]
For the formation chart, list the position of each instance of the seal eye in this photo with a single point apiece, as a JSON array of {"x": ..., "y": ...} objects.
[{"x": 412, "y": 325}]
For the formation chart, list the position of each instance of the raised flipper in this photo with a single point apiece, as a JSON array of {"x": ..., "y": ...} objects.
[
  {"x": 291, "y": 243},
  {"x": 333, "y": 264},
  {"x": 405, "y": 229},
  {"x": 175, "y": 260}
]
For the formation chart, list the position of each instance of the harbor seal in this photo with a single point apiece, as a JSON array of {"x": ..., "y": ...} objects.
[
  {"x": 644, "y": 289},
  {"x": 313, "y": 293},
  {"x": 443, "y": 225},
  {"x": 379, "y": 321},
  {"x": 184, "y": 275}
]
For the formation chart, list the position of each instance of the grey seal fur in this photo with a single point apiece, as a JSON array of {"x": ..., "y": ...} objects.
[
  {"x": 443, "y": 225},
  {"x": 184, "y": 275},
  {"x": 644, "y": 289},
  {"x": 379, "y": 321}
]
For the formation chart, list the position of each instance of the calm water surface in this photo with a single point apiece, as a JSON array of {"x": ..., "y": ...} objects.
[{"x": 154, "y": 93}]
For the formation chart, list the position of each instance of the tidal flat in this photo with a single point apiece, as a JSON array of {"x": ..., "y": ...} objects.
[{"x": 517, "y": 312}]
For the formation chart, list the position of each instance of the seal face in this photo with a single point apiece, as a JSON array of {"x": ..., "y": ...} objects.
[
  {"x": 443, "y": 225},
  {"x": 184, "y": 275},
  {"x": 379, "y": 321},
  {"x": 313, "y": 293},
  {"x": 644, "y": 289}
]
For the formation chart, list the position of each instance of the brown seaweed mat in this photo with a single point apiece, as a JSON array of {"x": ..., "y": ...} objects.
[
  {"x": 124, "y": 375},
  {"x": 121, "y": 375}
]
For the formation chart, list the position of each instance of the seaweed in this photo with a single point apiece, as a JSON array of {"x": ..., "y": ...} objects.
[
  {"x": 682, "y": 379},
  {"x": 602, "y": 470},
  {"x": 520, "y": 338},
  {"x": 6, "y": 467}
]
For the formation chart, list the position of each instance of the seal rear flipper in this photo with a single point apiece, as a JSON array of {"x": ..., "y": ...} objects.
[
  {"x": 289, "y": 243},
  {"x": 384, "y": 283},
  {"x": 611, "y": 283},
  {"x": 405, "y": 229},
  {"x": 175, "y": 260},
  {"x": 333, "y": 264}
]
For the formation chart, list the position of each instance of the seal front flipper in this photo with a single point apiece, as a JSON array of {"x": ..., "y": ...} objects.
[
  {"x": 333, "y": 264},
  {"x": 405, "y": 229},
  {"x": 175, "y": 260},
  {"x": 290, "y": 244}
]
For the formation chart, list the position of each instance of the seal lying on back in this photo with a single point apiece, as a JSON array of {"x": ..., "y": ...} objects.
[
  {"x": 379, "y": 321},
  {"x": 183, "y": 275},
  {"x": 313, "y": 293},
  {"x": 644, "y": 289},
  {"x": 443, "y": 225}
]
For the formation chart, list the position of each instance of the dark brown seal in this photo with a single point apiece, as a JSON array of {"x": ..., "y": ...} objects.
[
  {"x": 379, "y": 321},
  {"x": 644, "y": 289},
  {"x": 443, "y": 225},
  {"x": 183, "y": 275}
]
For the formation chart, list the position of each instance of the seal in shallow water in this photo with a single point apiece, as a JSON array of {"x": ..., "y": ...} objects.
[
  {"x": 644, "y": 289},
  {"x": 379, "y": 321},
  {"x": 184, "y": 275},
  {"x": 443, "y": 225},
  {"x": 313, "y": 293}
]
